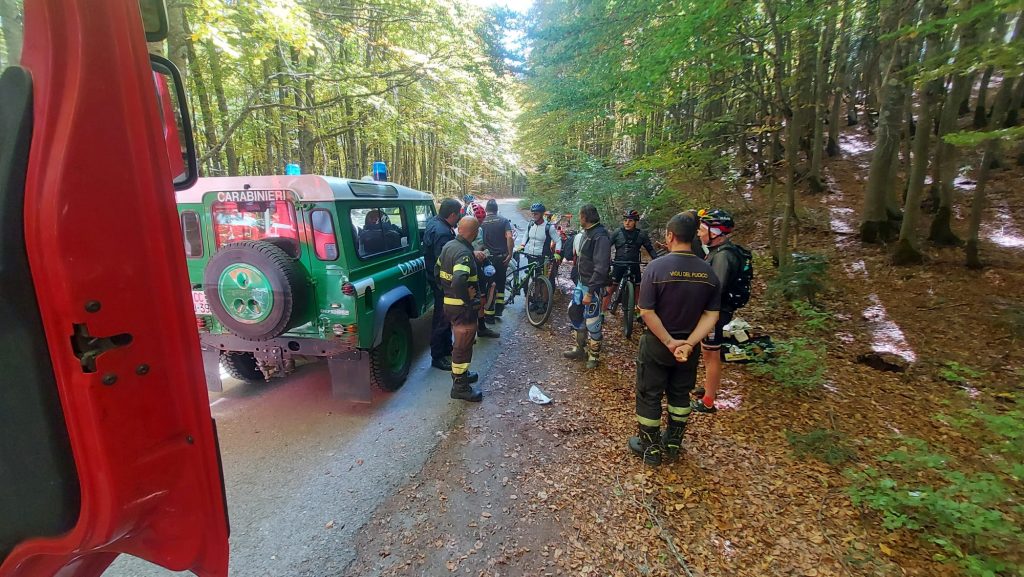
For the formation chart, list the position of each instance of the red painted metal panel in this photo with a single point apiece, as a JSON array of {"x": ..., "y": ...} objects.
[{"x": 101, "y": 225}]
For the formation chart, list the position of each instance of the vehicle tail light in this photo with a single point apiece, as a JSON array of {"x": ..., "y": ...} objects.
[
  {"x": 349, "y": 289},
  {"x": 201, "y": 323}
]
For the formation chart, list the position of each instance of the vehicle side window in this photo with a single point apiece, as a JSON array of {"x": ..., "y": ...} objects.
[
  {"x": 325, "y": 243},
  {"x": 379, "y": 230},
  {"x": 192, "y": 232},
  {"x": 423, "y": 214},
  {"x": 272, "y": 221}
]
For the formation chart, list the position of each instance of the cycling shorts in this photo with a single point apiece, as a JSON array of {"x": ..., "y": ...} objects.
[{"x": 618, "y": 270}]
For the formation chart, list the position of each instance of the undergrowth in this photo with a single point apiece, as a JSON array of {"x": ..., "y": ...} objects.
[
  {"x": 814, "y": 319},
  {"x": 796, "y": 365},
  {"x": 970, "y": 506},
  {"x": 827, "y": 445},
  {"x": 803, "y": 278}
]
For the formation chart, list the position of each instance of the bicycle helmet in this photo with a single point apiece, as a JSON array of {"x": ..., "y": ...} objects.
[
  {"x": 477, "y": 210},
  {"x": 538, "y": 207},
  {"x": 631, "y": 215},
  {"x": 468, "y": 198},
  {"x": 717, "y": 218}
]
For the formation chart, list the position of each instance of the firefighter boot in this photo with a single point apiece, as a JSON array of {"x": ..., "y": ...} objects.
[
  {"x": 593, "y": 353},
  {"x": 463, "y": 390},
  {"x": 646, "y": 446},
  {"x": 578, "y": 352},
  {"x": 672, "y": 440}
]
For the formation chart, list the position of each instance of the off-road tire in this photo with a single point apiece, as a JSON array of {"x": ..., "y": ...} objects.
[
  {"x": 628, "y": 309},
  {"x": 284, "y": 274},
  {"x": 387, "y": 372},
  {"x": 547, "y": 293},
  {"x": 242, "y": 366}
]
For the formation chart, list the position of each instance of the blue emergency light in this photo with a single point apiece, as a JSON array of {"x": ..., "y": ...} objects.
[
  {"x": 380, "y": 171},
  {"x": 292, "y": 169}
]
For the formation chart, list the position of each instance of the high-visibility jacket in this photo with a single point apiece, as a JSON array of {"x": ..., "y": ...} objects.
[{"x": 457, "y": 271}]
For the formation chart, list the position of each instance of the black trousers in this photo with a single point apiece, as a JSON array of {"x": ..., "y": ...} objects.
[
  {"x": 440, "y": 328},
  {"x": 658, "y": 374}
]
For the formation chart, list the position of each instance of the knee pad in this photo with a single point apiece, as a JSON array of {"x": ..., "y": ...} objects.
[{"x": 576, "y": 316}]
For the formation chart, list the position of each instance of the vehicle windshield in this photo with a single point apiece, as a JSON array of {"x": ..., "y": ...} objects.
[{"x": 258, "y": 220}]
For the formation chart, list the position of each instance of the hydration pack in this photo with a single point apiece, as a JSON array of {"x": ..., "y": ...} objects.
[{"x": 737, "y": 291}]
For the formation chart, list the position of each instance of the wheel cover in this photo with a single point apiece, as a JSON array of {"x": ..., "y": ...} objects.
[
  {"x": 246, "y": 293},
  {"x": 396, "y": 349}
]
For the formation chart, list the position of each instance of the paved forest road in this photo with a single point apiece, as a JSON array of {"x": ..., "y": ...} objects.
[{"x": 305, "y": 473}]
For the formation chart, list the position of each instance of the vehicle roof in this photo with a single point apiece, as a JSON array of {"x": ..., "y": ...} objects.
[{"x": 308, "y": 187}]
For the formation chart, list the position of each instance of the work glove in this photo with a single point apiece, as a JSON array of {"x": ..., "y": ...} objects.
[{"x": 558, "y": 257}]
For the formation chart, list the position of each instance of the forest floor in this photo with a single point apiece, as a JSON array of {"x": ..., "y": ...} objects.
[{"x": 521, "y": 489}]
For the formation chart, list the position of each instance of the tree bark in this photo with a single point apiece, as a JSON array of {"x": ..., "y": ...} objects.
[
  {"x": 1016, "y": 103},
  {"x": 999, "y": 109},
  {"x": 201, "y": 91},
  {"x": 839, "y": 83},
  {"x": 13, "y": 34},
  {"x": 820, "y": 95},
  {"x": 217, "y": 77},
  {"x": 907, "y": 250},
  {"x": 941, "y": 231},
  {"x": 876, "y": 225},
  {"x": 177, "y": 45},
  {"x": 980, "y": 113}
]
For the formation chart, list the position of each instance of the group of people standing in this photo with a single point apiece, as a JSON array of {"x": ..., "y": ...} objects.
[{"x": 684, "y": 299}]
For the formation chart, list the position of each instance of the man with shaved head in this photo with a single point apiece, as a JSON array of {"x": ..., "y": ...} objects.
[{"x": 458, "y": 275}]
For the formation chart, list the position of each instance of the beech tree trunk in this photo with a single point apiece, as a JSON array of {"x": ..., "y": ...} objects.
[{"x": 907, "y": 250}]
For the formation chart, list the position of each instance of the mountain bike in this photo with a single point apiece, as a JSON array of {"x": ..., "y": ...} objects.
[
  {"x": 624, "y": 294},
  {"x": 529, "y": 280}
]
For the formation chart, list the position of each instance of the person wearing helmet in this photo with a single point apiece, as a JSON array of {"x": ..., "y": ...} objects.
[
  {"x": 715, "y": 227},
  {"x": 488, "y": 271},
  {"x": 542, "y": 239},
  {"x": 627, "y": 242},
  {"x": 498, "y": 238}
]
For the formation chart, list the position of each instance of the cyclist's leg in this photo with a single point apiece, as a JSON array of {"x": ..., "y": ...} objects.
[
  {"x": 615, "y": 276},
  {"x": 575, "y": 312},
  {"x": 593, "y": 319},
  {"x": 634, "y": 274},
  {"x": 500, "y": 274},
  {"x": 711, "y": 351}
]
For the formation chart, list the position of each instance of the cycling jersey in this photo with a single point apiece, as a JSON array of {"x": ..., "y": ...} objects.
[
  {"x": 539, "y": 238},
  {"x": 628, "y": 243}
]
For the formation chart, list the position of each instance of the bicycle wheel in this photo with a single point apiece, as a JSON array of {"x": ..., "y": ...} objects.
[
  {"x": 628, "y": 309},
  {"x": 510, "y": 284},
  {"x": 538, "y": 302}
]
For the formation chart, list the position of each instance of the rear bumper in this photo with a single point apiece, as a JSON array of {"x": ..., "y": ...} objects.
[{"x": 288, "y": 347}]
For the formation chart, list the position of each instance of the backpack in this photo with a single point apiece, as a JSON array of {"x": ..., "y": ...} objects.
[{"x": 736, "y": 293}]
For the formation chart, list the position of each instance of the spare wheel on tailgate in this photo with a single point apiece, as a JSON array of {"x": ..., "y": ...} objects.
[{"x": 255, "y": 288}]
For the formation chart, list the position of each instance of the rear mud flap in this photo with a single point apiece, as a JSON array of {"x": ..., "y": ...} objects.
[
  {"x": 211, "y": 365},
  {"x": 350, "y": 377}
]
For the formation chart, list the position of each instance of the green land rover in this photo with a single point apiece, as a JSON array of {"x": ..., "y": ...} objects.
[{"x": 286, "y": 267}]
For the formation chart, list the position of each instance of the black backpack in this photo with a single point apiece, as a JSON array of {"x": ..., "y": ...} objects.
[{"x": 737, "y": 291}]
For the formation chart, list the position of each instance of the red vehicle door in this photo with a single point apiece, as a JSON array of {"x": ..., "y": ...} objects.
[{"x": 106, "y": 441}]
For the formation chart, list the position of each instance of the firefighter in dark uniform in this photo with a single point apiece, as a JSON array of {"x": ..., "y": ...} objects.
[
  {"x": 458, "y": 275},
  {"x": 438, "y": 233},
  {"x": 679, "y": 303}
]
